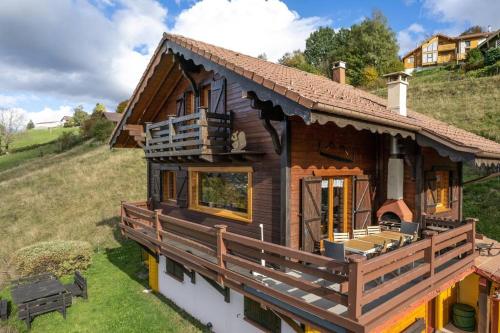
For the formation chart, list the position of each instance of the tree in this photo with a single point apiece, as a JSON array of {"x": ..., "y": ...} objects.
[
  {"x": 30, "y": 125},
  {"x": 472, "y": 30},
  {"x": 492, "y": 56},
  {"x": 368, "y": 43},
  {"x": 99, "y": 109},
  {"x": 474, "y": 59},
  {"x": 120, "y": 108},
  {"x": 11, "y": 121},
  {"x": 262, "y": 56},
  {"x": 79, "y": 115},
  {"x": 297, "y": 59}
]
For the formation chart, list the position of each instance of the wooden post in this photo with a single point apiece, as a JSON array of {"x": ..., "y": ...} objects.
[
  {"x": 171, "y": 132},
  {"x": 356, "y": 286},
  {"x": 203, "y": 132},
  {"x": 158, "y": 228},
  {"x": 429, "y": 257},
  {"x": 122, "y": 213},
  {"x": 471, "y": 235},
  {"x": 221, "y": 250}
]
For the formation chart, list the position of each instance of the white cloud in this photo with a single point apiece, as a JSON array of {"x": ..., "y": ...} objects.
[
  {"x": 409, "y": 37},
  {"x": 7, "y": 101},
  {"x": 48, "y": 114},
  {"x": 248, "y": 26},
  {"x": 464, "y": 13}
]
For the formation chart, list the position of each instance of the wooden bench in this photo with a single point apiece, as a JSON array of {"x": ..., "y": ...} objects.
[
  {"x": 4, "y": 308},
  {"x": 28, "y": 311},
  {"x": 78, "y": 287}
]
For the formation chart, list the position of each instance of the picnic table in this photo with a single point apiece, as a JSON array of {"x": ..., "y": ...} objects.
[
  {"x": 40, "y": 296},
  {"x": 360, "y": 246}
]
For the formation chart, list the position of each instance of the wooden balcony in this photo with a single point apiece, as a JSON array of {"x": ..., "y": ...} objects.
[
  {"x": 446, "y": 47},
  {"x": 357, "y": 294},
  {"x": 191, "y": 137}
]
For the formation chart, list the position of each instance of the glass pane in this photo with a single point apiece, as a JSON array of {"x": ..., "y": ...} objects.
[
  {"x": 338, "y": 204},
  {"x": 228, "y": 190},
  {"x": 324, "y": 208}
]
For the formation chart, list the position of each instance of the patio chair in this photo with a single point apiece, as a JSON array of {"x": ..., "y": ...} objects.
[
  {"x": 78, "y": 287},
  {"x": 358, "y": 233},
  {"x": 340, "y": 236},
  {"x": 374, "y": 229},
  {"x": 4, "y": 308},
  {"x": 334, "y": 250},
  {"x": 410, "y": 228}
]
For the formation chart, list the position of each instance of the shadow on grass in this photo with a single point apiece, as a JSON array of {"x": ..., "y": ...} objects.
[{"x": 128, "y": 257}]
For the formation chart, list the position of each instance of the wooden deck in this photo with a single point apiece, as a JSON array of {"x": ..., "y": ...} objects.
[{"x": 356, "y": 294}]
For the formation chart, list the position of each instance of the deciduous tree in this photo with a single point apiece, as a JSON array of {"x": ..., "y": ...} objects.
[
  {"x": 79, "y": 115},
  {"x": 120, "y": 108},
  {"x": 11, "y": 121},
  {"x": 297, "y": 59}
]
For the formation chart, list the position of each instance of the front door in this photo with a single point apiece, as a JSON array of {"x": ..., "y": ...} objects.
[{"x": 336, "y": 200}]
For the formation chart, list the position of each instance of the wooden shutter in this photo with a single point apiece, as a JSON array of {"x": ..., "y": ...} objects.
[
  {"x": 431, "y": 198},
  {"x": 182, "y": 188},
  {"x": 155, "y": 184},
  {"x": 218, "y": 96},
  {"x": 179, "y": 107},
  {"x": 454, "y": 192},
  {"x": 311, "y": 212},
  {"x": 363, "y": 199}
]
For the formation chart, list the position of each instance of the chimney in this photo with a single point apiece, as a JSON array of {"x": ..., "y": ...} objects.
[
  {"x": 338, "y": 74},
  {"x": 397, "y": 84},
  {"x": 489, "y": 28}
]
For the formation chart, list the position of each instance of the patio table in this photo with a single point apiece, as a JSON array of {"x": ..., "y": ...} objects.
[
  {"x": 360, "y": 246},
  {"x": 379, "y": 240},
  {"x": 393, "y": 235}
]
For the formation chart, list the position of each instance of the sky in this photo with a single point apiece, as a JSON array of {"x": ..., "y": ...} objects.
[{"x": 57, "y": 54}]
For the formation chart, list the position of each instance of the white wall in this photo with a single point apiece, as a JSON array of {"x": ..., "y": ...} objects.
[
  {"x": 203, "y": 302},
  {"x": 49, "y": 124}
]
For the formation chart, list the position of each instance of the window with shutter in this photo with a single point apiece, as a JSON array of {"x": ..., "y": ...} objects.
[
  {"x": 189, "y": 103},
  {"x": 218, "y": 96},
  {"x": 363, "y": 202},
  {"x": 442, "y": 190},
  {"x": 263, "y": 318},
  {"x": 179, "y": 107},
  {"x": 181, "y": 186},
  {"x": 205, "y": 96},
  {"x": 174, "y": 269},
  {"x": 430, "y": 192},
  {"x": 168, "y": 186},
  {"x": 155, "y": 184}
]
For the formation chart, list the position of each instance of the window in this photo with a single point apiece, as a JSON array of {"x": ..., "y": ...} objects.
[
  {"x": 225, "y": 192},
  {"x": 411, "y": 60},
  {"x": 168, "y": 186},
  {"x": 442, "y": 190},
  {"x": 174, "y": 269},
  {"x": 467, "y": 43},
  {"x": 205, "y": 97},
  {"x": 264, "y": 319}
]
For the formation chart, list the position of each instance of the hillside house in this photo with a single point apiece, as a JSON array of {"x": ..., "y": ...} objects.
[
  {"x": 492, "y": 41},
  {"x": 264, "y": 180},
  {"x": 441, "y": 49},
  {"x": 49, "y": 124}
]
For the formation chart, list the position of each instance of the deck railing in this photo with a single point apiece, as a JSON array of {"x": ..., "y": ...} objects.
[
  {"x": 199, "y": 133},
  {"x": 369, "y": 289}
]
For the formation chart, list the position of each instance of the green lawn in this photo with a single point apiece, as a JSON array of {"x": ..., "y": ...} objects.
[
  {"x": 116, "y": 301},
  {"x": 39, "y": 136}
]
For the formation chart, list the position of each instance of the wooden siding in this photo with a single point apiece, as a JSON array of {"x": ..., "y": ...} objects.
[
  {"x": 306, "y": 159},
  {"x": 266, "y": 175}
]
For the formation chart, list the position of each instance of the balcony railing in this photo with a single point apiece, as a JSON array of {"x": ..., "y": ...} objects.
[
  {"x": 200, "y": 134},
  {"x": 362, "y": 291}
]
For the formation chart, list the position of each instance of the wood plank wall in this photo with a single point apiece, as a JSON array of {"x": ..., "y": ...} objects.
[
  {"x": 266, "y": 176},
  {"x": 305, "y": 159}
]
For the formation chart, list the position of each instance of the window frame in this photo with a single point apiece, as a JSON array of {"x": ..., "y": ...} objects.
[
  {"x": 442, "y": 190},
  {"x": 220, "y": 212},
  {"x": 261, "y": 324},
  {"x": 164, "y": 184}
]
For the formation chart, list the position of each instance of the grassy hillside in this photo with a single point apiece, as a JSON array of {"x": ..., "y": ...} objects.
[
  {"x": 39, "y": 136},
  {"x": 472, "y": 104}
]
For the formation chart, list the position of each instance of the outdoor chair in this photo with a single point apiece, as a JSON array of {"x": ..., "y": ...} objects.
[
  {"x": 410, "y": 228},
  {"x": 334, "y": 250},
  {"x": 78, "y": 287},
  {"x": 358, "y": 233},
  {"x": 375, "y": 229},
  {"x": 4, "y": 308},
  {"x": 340, "y": 236}
]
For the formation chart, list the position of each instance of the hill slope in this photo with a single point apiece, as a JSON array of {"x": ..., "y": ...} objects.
[{"x": 472, "y": 104}]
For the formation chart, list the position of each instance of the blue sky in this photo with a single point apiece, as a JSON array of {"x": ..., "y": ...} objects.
[{"x": 87, "y": 51}]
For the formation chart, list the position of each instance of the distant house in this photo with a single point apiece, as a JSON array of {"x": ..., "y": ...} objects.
[
  {"x": 492, "y": 41},
  {"x": 49, "y": 124},
  {"x": 441, "y": 49},
  {"x": 113, "y": 116}
]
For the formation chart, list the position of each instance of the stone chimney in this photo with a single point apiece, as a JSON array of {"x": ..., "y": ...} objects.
[
  {"x": 397, "y": 84},
  {"x": 338, "y": 74}
]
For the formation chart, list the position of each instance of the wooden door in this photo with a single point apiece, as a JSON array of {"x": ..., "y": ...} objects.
[
  {"x": 363, "y": 199},
  {"x": 311, "y": 213},
  {"x": 155, "y": 184},
  {"x": 218, "y": 96},
  {"x": 181, "y": 187}
]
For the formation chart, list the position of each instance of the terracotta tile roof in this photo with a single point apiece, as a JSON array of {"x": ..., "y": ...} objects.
[
  {"x": 317, "y": 92},
  {"x": 113, "y": 116}
]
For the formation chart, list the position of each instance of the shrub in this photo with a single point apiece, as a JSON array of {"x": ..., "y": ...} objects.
[
  {"x": 67, "y": 140},
  {"x": 102, "y": 129},
  {"x": 492, "y": 56},
  {"x": 369, "y": 77},
  {"x": 57, "y": 257},
  {"x": 474, "y": 59}
]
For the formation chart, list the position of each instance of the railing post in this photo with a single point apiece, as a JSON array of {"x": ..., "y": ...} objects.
[
  {"x": 203, "y": 132},
  {"x": 171, "y": 132},
  {"x": 221, "y": 250},
  {"x": 430, "y": 257},
  {"x": 122, "y": 213},
  {"x": 147, "y": 132},
  {"x": 356, "y": 286},
  {"x": 471, "y": 235}
]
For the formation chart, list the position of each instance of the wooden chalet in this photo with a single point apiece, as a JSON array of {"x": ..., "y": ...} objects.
[{"x": 255, "y": 170}]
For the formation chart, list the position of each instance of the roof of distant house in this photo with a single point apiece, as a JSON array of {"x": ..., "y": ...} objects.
[
  {"x": 323, "y": 96},
  {"x": 113, "y": 116}
]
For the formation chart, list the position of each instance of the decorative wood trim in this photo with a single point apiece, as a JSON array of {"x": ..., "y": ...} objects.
[{"x": 338, "y": 172}]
